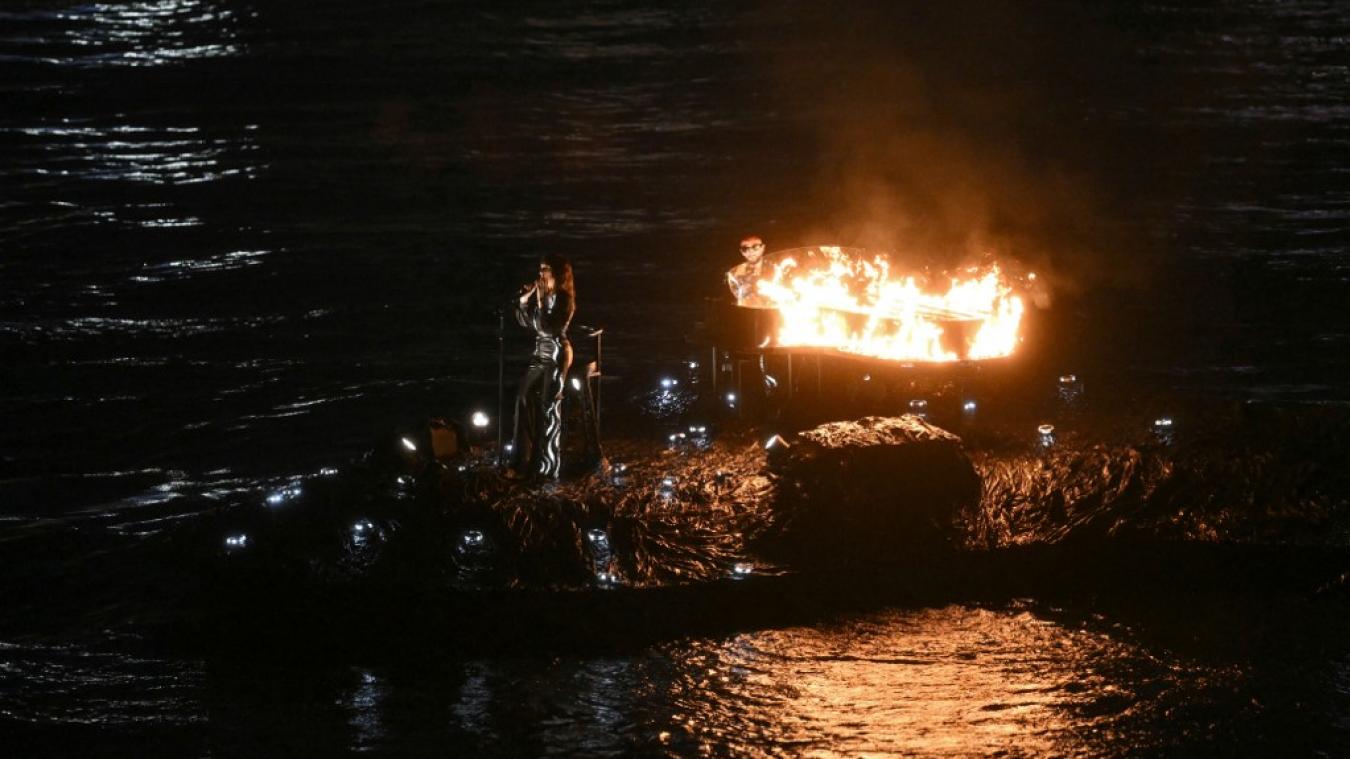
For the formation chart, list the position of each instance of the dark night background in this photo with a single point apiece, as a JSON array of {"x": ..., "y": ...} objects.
[{"x": 238, "y": 240}]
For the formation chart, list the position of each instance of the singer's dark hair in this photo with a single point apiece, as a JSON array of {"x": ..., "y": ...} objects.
[{"x": 562, "y": 273}]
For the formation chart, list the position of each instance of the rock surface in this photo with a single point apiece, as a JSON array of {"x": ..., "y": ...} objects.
[{"x": 871, "y": 488}]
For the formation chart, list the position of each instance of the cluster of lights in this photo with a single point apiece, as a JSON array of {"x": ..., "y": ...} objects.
[
  {"x": 1047, "y": 434},
  {"x": 1070, "y": 388},
  {"x": 363, "y": 530},
  {"x": 328, "y": 471},
  {"x": 601, "y": 555},
  {"x": 283, "y": 495},
  {"x": 473, "y": 551},
  {"x": 669, "y": 382},
  {"x": 667, "y": 487},
  {"x": 742, "y": 569},
  {"x": 403, "y": 485},
  {"x": 236, "y": 541},
  {"x": 618, "y": 473},
  {"x": 919, "y": 407},
  {"x": 969, "y": 407},
  {"x": 696, "y": 437},
  {"x": 1164, "y": 428}
]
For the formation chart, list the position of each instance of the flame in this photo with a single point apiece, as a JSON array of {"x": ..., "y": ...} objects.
[{"x": 831, "y": 297}]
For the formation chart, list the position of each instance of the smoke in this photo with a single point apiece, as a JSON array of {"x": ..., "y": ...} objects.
[{"x": 950, "y": 132}]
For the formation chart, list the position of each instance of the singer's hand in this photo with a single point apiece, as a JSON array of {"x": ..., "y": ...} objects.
[{"x": 528, "y": 290}]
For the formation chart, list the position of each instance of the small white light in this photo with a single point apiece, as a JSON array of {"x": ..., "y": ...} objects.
[
  {"x": 1163, "y": 422},
  {"x": 236, "y": 541},
  {"x": 509, "y": 447},
  {"x": 1068, "y": 379},
  {"x": 731, "y": 397},
  {"x": 471, "y": 537},
  {"x": 576, "y": 383},
  {"x": 968, "y": 406},
  {"x": 327, "y": 471},
  {"x": 667, "y": 382},
  {"x": 620, "y": 468},
  {"x": 361, "y": 526},
  {"x": 774, "y": 442},
  {"x": 597, "y": 535},
  {"x": 693, "y": 364},
  {"x": 480, "y": 419},
  {"x": 408, "y": 444},
  {"x": 918, "y": 405},
  {"x": 742, "y": 568},
  {"x": 1031, "y": 275},
  {"x": 667, "y": 482},
  {"x": 867, "y": 378}
]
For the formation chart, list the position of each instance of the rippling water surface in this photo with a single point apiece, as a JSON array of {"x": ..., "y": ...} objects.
[
  {"x": 241, "y": 238},
  {"x": 931, "y": 682}
]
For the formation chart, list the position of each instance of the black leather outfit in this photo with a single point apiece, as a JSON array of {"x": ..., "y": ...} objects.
[{"x": 538, "y": 422}]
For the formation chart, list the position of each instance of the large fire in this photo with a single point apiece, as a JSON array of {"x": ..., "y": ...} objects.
[{"x": 846, "y": 300}]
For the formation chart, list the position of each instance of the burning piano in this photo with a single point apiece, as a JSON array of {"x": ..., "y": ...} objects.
[{"x": 830, "y": 301}]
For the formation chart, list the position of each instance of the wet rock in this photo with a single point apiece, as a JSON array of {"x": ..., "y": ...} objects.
[{"x": 873, "y": 488}]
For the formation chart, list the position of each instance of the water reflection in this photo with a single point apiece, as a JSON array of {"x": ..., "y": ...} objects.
[
  {"x": 957, "y": 680},
  {"x": 953, "y": 680},
  {"x": 174, "y": 155},
  {"x": 153, "y": 33},
  {"x": 364, "y": 704},
  {"x": 472, "y": 710}
]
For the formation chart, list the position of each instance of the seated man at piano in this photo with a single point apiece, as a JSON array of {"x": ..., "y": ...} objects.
[{"x": 742, "y": 277}]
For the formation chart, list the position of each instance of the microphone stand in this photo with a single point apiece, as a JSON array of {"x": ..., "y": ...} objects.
[{"x": 501, "y": 380}]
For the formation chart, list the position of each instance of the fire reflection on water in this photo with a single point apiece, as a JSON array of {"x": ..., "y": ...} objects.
[
  {"x": 939, "y": 681},
  {"x": 954, "y": 680}
]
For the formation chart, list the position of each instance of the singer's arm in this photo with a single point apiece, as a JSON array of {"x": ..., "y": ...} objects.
[{"x": 525, "y": 307}]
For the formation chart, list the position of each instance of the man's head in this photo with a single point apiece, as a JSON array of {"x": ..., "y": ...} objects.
[{"x": 752, "y": 248}]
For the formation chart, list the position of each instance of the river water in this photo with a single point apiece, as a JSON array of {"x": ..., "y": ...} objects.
[{"x": 241, "y": 239}]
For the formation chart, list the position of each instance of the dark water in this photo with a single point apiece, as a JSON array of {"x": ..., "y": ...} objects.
[{"x": 240, "y": 239}]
